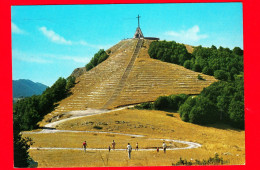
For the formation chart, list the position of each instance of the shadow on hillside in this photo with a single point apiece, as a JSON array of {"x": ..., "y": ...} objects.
[
  {"x": 223, "y": 126},
  {"x": 218, "y": 125}
]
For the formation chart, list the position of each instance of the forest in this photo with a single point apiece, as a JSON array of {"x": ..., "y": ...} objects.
[{"x": 222, "y": 101}]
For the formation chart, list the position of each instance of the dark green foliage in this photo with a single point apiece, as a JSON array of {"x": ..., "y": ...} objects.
[
  {"x": 196, "y": 67},
  {"x": 162, "y": 103},
  {"x": 205, "y": 60},
  {"x": 177, "y": 100},
  {"x": 216, "y": 160},
  {"x": 142, "y": 106},
  {"x": 236, "y": 113},
  {"x": 97, "y": 127},
  {"x": 70, "y": 82},
  {"x": 169, "y": 52},
  {"x": 21, "y": 146},
  {"x": 98, "y": 58},
  {"x": 221, "y": 75},
  {"x": 188, "y": 64},
  {"x": 238, "y": 51},
  {"x": 29, "y": 111},
  {"x": 172, "y": 102},
  {"x": 21, "y": 153},
  {"x": 169, "y": 114},
  {"x": 221, "y": 101},
  {"x": 200, "y": 77}
]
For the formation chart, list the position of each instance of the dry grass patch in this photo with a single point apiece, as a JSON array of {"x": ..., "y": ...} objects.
[
  {"x": 227, "y": 142},
  {"x": 94, "y": 140}
]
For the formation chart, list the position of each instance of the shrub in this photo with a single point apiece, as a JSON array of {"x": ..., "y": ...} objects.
[
  {"x": 147, "y": 106},
  {"x": 200, "y": 77},
  {"x": 221, "y": 75},
  {"x": 236, "y": 113},
  {"x": 97, "y": 127},
  {"x": 216, "y": 160},
  {"x": 169, "y": 114},
  {"x": 162, "y": 103}
]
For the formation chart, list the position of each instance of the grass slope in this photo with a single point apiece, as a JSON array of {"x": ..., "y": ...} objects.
[{"x": 229, "y": 143}]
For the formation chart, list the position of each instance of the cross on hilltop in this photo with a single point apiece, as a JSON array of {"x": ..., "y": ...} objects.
[{"x": 138, "y": 20}]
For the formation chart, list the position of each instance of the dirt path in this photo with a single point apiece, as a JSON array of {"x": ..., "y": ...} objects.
[{"x": 50, "y": 128}]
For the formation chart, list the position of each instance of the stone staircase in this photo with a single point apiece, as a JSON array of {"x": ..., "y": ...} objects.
[{"x": 121, "y": 83}]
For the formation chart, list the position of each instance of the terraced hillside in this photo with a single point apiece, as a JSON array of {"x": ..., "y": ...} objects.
[{"x": 130, "y": 76}]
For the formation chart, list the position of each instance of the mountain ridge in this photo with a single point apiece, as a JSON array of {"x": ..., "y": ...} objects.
[{"x": 27, "y": 88}]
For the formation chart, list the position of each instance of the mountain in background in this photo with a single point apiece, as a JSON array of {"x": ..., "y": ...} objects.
[{"x": 27, "y": 88}]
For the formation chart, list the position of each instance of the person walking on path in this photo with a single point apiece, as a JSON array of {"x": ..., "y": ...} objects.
[
  {"x": 157, "y": 149},
  {"x": 84, "y": 145},
  {"x": 136, "y": 148},
  {"x": 113, "y": 145},
  {"x": 109, "y": 148},
  {"x": 129, "y": 150},
  {"x": 164, "y": 147}
]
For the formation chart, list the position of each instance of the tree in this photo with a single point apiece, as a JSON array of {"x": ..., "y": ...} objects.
[
  {"x": 236, "y": 113},
  {"x": 221, "y": 75},
  {"x": 21, "y": 146},
  {"x": 238, "y": 51},
  {"x": 162, "y": 103},
  {"x": 188, "y": 64}
]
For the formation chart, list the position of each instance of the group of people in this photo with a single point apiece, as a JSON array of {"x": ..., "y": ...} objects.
[{"x": 128, "y": 148}]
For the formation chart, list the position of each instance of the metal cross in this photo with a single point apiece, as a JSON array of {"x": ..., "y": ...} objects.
[{"x": 138, "y": 20}]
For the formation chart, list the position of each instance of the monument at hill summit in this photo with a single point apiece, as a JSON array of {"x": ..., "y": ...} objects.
[{"x": 129, "y": 76}]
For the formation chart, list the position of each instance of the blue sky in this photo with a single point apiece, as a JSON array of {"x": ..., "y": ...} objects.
[{"x": 49, "y": 42}]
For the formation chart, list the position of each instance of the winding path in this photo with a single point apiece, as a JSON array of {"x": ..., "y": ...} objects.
[{"x": 50, "y": 128}]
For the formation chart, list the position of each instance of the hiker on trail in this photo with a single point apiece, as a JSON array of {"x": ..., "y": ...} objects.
[
  {"x": 109, "y": 148},
  {"x": 129, "y": 150},
  {"x": 136, "y": 148},
  {"x": 164, "y": 147},
  {"x": 113, "y": 145},
  {"x": 157, "y": 149},
  {"x": 84, "y": 145}
]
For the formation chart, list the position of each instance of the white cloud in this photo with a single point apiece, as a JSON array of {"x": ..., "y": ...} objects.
[
  {"x": 45, "y": 58},
  {"x": 54, "y": 37},
  {"x": 16, "y": 29},
  {"x": 31, "y": 58},
  {"x": 186, "y": 36}
]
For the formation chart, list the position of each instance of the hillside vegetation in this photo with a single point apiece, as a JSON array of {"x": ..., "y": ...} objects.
[
  {"x": 222, "y": 101},
  {"x": 98, "y": 58},
  {"x": 29, "y": 111}
]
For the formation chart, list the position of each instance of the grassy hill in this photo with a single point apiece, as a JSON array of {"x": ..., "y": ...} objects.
[{"x": 108, "y": 86}]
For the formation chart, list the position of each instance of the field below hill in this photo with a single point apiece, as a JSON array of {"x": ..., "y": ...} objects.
[{"x": 64, "y": 149}]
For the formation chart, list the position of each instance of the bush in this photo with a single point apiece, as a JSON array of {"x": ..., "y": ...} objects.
[
  {"x": 221, "y": 75},
  {"x": 97, "y": 127},
  {"x": 236, "y": 113},
  {"x": 186, "y": 108},
  {"x": 142, "y": 106},
  {"x": 216, "y": 160},
  {"x": 162, "y": 103},
  {"x": 98, "y": 58},
  {"x": 200, "y": 77},
  {"x": 199, "y": 110},
  {"x": 176, "y": 101}
]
